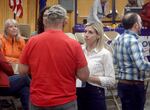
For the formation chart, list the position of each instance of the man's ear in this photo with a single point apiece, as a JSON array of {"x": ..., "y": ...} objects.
[
  {"x": 45, "y": 22},
  {"x": 136, "y": 25}
]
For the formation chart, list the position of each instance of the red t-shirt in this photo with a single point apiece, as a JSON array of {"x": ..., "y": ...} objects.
[{"x": 53, "y": 59}]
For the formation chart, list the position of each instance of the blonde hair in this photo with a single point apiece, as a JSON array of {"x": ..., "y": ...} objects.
[
  {"x": 98, "y": 27},
  {"x": 7, "y": 23}
]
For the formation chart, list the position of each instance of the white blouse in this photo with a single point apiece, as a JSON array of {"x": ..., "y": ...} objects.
[{"x": 100, "y": 64}]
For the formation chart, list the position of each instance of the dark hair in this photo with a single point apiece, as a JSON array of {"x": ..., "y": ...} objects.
[
  {"x": 129, "y": 20},
  {"x": 84, "y": 21},
  {"x": 132, "y": 3},
  {"x": 40, "y": 25}
]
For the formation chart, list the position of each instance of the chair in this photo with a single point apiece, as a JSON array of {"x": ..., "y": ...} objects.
[
  {"x": 25, "y": 30},
  {"x": 80, "y": 37},
  {"x": 71, "y": 36},
  {"x": 112, "y": 96},
  {"x": 112, "y": 91},
  {"x": 111, "y": 34},
  {"x": 7, "y": 102},
  {"x": 108, "y": 47},
  {"x": 110, "y": 37}
]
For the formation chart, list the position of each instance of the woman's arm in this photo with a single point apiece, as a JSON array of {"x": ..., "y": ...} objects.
[
  {"x": 108, "y": 79},
  {"x": 5, "y": 66}
]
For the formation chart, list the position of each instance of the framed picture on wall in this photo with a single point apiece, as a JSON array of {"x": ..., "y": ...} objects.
[{"x": 67, "y": 4}]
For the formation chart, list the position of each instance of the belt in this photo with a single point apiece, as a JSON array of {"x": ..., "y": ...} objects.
[{"x": 131, "y": 82}]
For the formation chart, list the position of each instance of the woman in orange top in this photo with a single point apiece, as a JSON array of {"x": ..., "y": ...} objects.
[{"x": 12, "y": 42}]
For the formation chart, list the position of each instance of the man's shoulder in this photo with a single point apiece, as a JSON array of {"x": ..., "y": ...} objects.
[{"x": 128, "y": 36}]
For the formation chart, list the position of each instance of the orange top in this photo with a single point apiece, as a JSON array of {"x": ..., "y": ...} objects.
[{"x": 12, "y": 48}]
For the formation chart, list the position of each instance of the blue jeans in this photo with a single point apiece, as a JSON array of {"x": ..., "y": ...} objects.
[
  {"x": 132, "y": 96},
  {"x": 19, "y": 87},
  {"x": 68, "y": 106},
  {"x": 91, "y": 98}
]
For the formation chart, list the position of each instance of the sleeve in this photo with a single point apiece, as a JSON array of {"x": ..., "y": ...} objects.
[
  {"x": 80, "y": 57},
  {"x": 115, "y": 61},
  {"x": 5, "y": 66},
  {"x": 108, "y": 79},
  {"x": 137, "y": 56}
]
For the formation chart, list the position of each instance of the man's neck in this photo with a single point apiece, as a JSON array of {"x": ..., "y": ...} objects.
[{"x": 54, "y": 27}]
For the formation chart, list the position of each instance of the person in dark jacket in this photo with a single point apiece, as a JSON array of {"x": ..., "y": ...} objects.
[
  {"x": 40, "y": 25},
  {"x": 13, "y": 85}
]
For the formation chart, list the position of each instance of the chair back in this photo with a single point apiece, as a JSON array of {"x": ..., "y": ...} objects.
[
  {"x": 80, "y": 37},
  {"x": 25, "y": 30},
  {"x": 71, "y": 35},
  {"x": 112, "y": 34}
]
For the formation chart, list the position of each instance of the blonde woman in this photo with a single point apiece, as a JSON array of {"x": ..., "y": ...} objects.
[
  {"x": 12, "y": 42},
  {"x": 92, "y": 96}
]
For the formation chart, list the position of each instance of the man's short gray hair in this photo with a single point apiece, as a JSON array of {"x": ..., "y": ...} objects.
[{"x": 56, "y": 14}]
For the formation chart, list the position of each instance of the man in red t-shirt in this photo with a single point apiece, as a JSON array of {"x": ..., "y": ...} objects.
[{"x": 54, "y": 61}]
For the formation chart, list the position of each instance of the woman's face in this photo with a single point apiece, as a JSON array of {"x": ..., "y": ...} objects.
[
  {"x": 12, "y": 29},
  {"x": 90, "y": 35}
]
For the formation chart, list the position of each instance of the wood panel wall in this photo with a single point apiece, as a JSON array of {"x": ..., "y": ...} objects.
[
  {"x": 30, "y": 14},
  {"x": 84, "y": 8}
]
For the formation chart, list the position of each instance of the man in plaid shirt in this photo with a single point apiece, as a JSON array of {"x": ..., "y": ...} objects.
[{"x": 130, "y": 64}]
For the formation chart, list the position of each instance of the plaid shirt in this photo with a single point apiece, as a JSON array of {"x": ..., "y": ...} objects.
[{"x": 128, "y": 56}]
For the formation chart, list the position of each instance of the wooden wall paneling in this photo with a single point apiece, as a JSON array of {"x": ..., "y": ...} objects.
[
  {"x": 2, "y": 14},
  {"x": 31, "y": 14},
  {"x": 120, "y": 4},
  {"x": 83, "y": 9},
  {"x": 72, "y": 21},
  {"x": 68, "y": 27},
  {"x": 51, "y": 2},
  {"x": 5, "y": 12},
  {"x": 8, "y": 13}
]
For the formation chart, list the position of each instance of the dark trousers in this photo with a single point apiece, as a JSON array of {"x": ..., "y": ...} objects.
[
  {"x": 132, "y": 96},
  {"x": 91, "y": 98},
  {"x": 19, "y": 87},
  {"x": 68, "y": 106}
]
